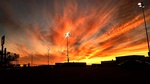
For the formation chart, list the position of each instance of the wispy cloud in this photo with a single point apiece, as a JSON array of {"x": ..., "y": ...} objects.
[{"x": 98, "y": 29}]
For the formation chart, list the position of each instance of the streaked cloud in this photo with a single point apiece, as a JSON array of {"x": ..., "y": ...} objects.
[{"x": 99, "y": 29}]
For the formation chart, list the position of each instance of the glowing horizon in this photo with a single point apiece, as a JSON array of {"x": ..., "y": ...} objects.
[{"x": 99, "y": 30}]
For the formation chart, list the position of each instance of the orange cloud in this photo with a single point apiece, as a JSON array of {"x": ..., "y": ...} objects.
[{"x": 99, "y": 30}]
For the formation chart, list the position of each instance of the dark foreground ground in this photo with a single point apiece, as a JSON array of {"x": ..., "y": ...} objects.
[{"x": 75, "y": 75}]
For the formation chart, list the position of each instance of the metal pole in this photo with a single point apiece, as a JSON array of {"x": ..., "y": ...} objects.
[
  {"x": 2, "y": 44},
  {"x": 32, "y": 59},
  {"x": 48, "y": 56},
  {"x": 146, "y": 31},
  {"x": 2, "y": 58},
  {"x": 67, "y": 50}
]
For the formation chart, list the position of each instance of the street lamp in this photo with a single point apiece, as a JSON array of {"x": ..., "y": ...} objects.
[
  {"x": 32, "y": 59},
  {"x": 48, "y": 55},
  {"x": 67, "y": 35},
  {"x": 141, "y": 5}
]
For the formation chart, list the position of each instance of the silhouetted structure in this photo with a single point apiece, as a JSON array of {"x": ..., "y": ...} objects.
[
  {"x": 132, "y": 61},
  {"x": 67, "y": 35},
  {"x": 128, "y": 58},
  {"x": 71, "y": 64},
  {"x": 111, "y": 63},
  {"x": 6, "y": 57},
  {"x": 126, "y": 61},
  {"x": 146, "y": 60},
  {"x": 96, "y": 65},
  {"x": 2, "y": 44},
  {"x": 141, "y": 5}
]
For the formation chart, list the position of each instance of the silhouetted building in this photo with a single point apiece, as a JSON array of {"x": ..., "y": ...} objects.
[
  {"x": 71, "y": 64},
  {"x": 120, "y": 59},
  {"x": 146, "y": 60},
  {"x": 131, "y": 61},
  {"x": 58, "y": 64},
  {"x": 96, "y": 65},
  {"x": 110, "y": 63}
]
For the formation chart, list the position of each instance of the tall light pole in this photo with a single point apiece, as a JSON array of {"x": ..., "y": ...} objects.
[
  {"x": 141, "y": 5},
  {"x": 2, "y": 44},
  {"x": 48, "y": 55},
  {"x": 32, "y": 59},
  {"x": 67, "y": 35}
]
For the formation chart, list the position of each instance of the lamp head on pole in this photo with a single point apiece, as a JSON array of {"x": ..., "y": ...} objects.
[
  {"x": 141, "y": 5},
  {"x": 67, "y": 34}
]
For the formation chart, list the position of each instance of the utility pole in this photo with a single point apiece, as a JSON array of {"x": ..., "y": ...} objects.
[
  {"x": 2, "y": 44},
  {"x": 48, "y": 55},
  {"x": 32, "y": 59},
  {"x": 67, "y": 35},
  {"x": 141, "y": 5}
]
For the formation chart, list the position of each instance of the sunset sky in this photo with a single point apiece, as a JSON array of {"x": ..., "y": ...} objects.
[{"x": 99, "y": 30}]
